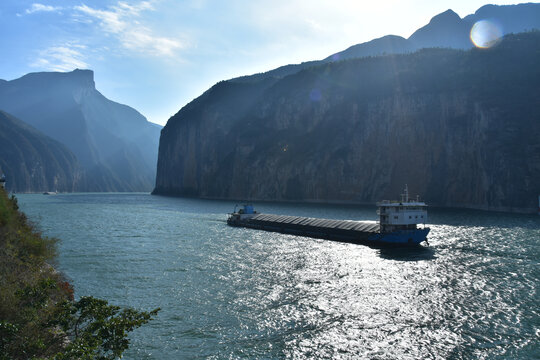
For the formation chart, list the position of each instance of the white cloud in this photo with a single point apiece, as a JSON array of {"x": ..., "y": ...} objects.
[
  {"x": 134, "y": 9},
  {"x": 61, "y": 58},
  {"x": 110, "y": 20},
  {"x": 122, "y": 22},
  {"x": 36, "y": 7}
]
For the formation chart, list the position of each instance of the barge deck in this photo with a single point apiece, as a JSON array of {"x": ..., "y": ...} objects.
[{"x": 340, "y": 230}]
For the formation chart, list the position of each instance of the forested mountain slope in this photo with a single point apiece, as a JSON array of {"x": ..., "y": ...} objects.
[{"x": 460, "y": 127}]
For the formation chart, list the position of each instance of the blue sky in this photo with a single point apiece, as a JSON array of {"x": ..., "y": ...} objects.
[{"x": 157, "y": 55}]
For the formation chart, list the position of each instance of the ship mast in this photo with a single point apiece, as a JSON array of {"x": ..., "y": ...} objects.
[{"x": 405, "y": 196}]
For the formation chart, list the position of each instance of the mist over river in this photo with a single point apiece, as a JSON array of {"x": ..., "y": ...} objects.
[{"x": 240, "y": 293}]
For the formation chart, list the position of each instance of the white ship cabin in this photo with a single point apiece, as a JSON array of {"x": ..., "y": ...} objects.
[
  {"x": 401, "y": 215},
  {"x": 245, "y": 212}
]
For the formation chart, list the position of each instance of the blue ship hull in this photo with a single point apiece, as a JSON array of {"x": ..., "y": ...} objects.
[
  {"x": 401, "y": 237},
  {"x": 357, "y": 232}
]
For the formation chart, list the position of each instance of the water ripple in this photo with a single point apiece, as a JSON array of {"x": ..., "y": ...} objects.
[{"x": 239, "y": 293}]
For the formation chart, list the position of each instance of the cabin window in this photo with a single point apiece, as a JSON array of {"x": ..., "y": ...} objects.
[
  {"x": 410, "y": 217},
  {"x": 395, "y": 217}
]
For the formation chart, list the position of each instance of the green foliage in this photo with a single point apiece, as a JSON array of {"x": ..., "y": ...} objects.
[
  {"x": 39, "y": 318},
  {"x": 97, "y": 330},
  {"x": 25, "y": 322}
]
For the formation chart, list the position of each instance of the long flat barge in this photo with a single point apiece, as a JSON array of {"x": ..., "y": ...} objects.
[{"x": 397, "y": 225}]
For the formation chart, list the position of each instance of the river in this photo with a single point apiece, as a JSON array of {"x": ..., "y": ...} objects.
[{"x": 241, "y": 293}]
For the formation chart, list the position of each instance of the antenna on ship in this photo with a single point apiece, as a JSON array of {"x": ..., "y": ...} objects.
[{"x": 406, "y": 193}]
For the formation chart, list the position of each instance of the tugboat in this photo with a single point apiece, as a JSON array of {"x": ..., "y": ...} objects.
[{"x": 397, "y": 225}]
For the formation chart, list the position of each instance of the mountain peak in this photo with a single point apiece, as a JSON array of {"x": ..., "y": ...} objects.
[
  {"x": 77, "y": 77},
  {"x": 444, "y": 30},
  {"x": 83, "y": 73},
  {"x": 445, "y": 17},
  {"x": 82, "y": 77},
  {"x": 114, "y": 144}
]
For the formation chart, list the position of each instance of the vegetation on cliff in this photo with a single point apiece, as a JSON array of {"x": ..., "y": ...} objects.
[
  {"x": 39, "y": 318},
  {"x": 460, "y": 127}
]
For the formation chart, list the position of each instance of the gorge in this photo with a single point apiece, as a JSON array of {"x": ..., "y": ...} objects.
[
  {"x": 460, "y": 127},
  {"x": 115, "y": 146}
]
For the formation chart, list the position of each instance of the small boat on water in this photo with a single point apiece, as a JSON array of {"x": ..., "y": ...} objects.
[
  {"x": 397, "y": 225},
  {"x": 50, "y": 192}
]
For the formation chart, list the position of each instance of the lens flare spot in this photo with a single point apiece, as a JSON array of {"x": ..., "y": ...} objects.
[{"x": 485, "y": 33}]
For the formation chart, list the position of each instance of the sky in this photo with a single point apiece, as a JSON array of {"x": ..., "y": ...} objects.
[{"x": 158, "y": 55}]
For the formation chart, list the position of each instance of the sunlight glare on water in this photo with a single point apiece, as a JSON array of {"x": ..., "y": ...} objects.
[{"x": 240, "y": 293}]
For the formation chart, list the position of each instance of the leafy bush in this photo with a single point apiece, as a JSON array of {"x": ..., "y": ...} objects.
[{"x": 39, "y": 318}]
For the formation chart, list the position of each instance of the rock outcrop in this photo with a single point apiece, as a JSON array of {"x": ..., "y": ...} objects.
[{"x": 460, "y": 127}]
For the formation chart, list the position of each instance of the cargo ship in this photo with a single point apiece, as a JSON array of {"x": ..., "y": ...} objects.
[{"x": 397, "y": 225}]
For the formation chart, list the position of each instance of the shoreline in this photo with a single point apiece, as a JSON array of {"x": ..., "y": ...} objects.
[{"x": 510, "y": 210}]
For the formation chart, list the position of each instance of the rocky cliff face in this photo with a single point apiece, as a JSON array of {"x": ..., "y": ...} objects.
[
  {"x": 32, "y": 161},
  {"x": 461, "y": 128},
  {"x": 115, "y": 145}
]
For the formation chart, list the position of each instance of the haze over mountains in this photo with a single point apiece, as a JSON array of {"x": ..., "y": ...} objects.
[
  {"x": 31, "y": 160},
  {"x": 449, "y": 30},
  {"x": 446, "y": 29},
  {"x": 460, "y": 127},
  {"x": 115, "y": 146}
]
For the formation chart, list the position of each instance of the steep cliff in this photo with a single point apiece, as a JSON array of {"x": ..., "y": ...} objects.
[
  {"x": 115, "y": 145},
  {"x": 460, "y": 127},
  {"x": 32, "y": 161}
]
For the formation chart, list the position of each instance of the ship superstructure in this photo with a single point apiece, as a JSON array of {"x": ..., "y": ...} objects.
[{"x": 405, "y": 214}]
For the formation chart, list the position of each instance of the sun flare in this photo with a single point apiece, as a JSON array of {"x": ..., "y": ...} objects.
[{"x": 485, "y": 33}]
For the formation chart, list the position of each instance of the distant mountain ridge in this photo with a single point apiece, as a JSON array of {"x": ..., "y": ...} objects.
[
  {"x": 115, "y": 145},
  {"x": 32, "y": 161},
  {"x": 446, "y": 29},
  {"x": 460, "y": 127}
]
